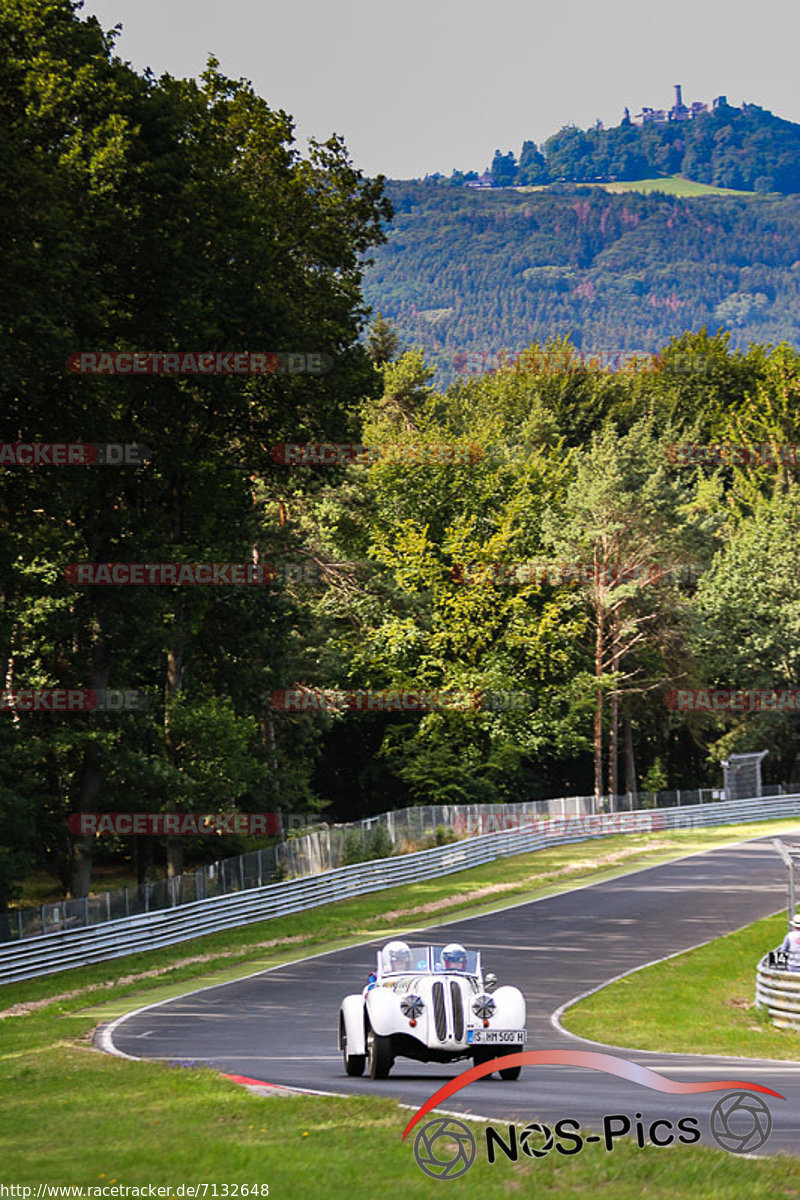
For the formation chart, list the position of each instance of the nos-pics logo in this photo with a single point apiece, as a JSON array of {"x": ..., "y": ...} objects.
[{"x": 446, "y": 1148}]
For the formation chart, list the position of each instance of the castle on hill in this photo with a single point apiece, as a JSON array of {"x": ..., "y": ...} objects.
[{"x": 678, "y": 112}]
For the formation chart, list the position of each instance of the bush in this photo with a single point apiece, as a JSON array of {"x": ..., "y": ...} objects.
[
  {"x": 379, "y": 843},
  {"x": 353, "y": 848},
  {"x": 361, "y": 847}
]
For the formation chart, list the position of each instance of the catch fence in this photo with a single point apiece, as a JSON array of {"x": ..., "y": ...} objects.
[{"x": 56, "y": 951}]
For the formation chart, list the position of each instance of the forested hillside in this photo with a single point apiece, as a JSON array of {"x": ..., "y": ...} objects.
[{"x": 476, "y": 270}]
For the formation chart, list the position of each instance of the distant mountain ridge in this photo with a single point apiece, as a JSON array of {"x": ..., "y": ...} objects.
[
  {"x": 745, "y": 147},
  {"x": 468, "y": 271}
]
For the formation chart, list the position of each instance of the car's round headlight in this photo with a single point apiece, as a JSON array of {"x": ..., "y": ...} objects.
[
  {"x": 483, "y": 1007},
  {"x": 411, "y": 1006}
]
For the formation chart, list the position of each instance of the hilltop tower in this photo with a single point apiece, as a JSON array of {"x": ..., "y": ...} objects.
[{"x": 678, "y": 96}]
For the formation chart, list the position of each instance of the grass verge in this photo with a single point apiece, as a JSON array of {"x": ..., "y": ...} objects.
[
  {"x": 94, "y": 1121},
  {"x": 701, "y": 1002},
  {"x": 69, "y": 1115}
]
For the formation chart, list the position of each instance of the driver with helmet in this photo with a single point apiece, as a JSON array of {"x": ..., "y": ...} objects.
[
  {"x": 454, "y": 958},
  {"x": 396, "y": 957}
]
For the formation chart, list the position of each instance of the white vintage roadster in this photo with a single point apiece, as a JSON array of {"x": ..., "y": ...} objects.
[{"x": 432, "y": 1004}]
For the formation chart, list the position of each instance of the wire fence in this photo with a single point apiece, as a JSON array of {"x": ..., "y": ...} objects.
[
  {"x": 66, "y": 948},
  {"x": 329, "y": 847}
]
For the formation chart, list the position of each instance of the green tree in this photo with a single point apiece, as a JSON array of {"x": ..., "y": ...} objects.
[
  {"x": 382, "y": 342},
  {"x": 748, "y": 631},
  {"x": 623, "y": 518},
  {"x": 167, "y": 214}
]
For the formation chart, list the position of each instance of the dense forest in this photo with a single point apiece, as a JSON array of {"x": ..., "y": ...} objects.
[
  {"x": 468, "y": 271},
  {"x": 174, "y": 215},
  {"x": 748, "y": 148}
]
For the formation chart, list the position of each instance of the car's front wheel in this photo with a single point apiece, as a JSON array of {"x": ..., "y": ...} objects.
[
  {"x": 481, "y": 1056},
  {"x": 379, "y": 1055},
  {"x": 511, "y": 1072},
  {"x": 353, "y": 1063}
]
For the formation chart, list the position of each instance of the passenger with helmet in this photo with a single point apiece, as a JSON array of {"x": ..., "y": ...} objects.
[
  {"x": 454, "y": 958},
  {"x": 396, "y": 957},
  {"x": 791, "y": 945}
]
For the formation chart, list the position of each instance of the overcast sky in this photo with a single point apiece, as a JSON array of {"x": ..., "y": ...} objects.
[{"x": 418, "y": 86}]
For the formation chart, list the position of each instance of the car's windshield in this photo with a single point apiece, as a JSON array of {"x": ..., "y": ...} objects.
[{"x": 429, "y": 960}]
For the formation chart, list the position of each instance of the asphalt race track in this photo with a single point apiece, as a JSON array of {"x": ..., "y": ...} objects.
[{"x": 280, "y": 1026}]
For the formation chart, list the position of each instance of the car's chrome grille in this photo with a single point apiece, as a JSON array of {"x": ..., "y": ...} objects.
[
  {"x": 438, "y": 1010},
  {"x": 458, "y": 1010}
]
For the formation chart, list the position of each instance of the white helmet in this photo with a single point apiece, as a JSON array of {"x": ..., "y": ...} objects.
[
  {"x": 396, "y": 957},
  {"x": 454, "y": 957},
  {"x": 795, "y": 921}
]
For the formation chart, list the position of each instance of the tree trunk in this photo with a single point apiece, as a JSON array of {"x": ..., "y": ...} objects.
[
  {"x": 598, "y": 708},
  {"x": 145, "y": 859},
  {"x": 62, "y": 853},
  {"x": 631, "y": 783},
  {"x": 174, "y": 683},
  {"x": 91, "y": 771},
  {"x": 613, "y": 736},
  {"x": 9, "y": 674},
  {"x": 268, "y": 742},
  {"x": 174, "y": 680},
  {"x": 83, "y": 847},
  {"x": 613, "y": 750}
]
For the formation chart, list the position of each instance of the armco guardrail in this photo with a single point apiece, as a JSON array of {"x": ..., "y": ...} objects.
[
  {"x": 779, "y": 992},
  {"x": 325, "y": 848},
  {"x": 49, "y": 953}
]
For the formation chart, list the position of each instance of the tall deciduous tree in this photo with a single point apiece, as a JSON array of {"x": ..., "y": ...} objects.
[{"x": 622, "y": 522}]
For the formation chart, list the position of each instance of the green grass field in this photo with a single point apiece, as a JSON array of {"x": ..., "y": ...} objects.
[
  {"x": 85, "y": 1119},
  {"x": 71, "y": 1115},
  {"x": 671, "y": 185},
  {"x": 710, "y": 1007}
]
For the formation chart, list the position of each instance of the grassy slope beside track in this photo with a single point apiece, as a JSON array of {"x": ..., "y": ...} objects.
[
  {"x": 70, "y": 1115},
  {"x": 700, "y": 1002}
]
